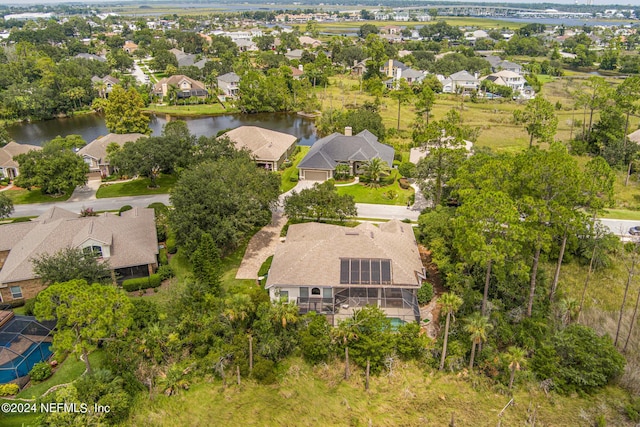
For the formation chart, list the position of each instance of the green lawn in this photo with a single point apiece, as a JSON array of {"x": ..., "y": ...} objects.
[
  {"x": 285, "y": 177},
  {"x": 621, "y": 214},
  {"x": 387, "y": 195},
  {"x": 23, "y": 197},
  {"x": 137, "y": 187},
  {"x": 191, "y": 110}
]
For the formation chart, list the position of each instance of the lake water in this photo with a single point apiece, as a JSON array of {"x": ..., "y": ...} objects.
[{"x": 91, "y": 126}]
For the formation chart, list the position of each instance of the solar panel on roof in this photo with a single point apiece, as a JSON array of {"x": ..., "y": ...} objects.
[{"x": 365, "y": 271}]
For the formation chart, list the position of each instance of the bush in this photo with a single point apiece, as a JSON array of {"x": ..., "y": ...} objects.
[
  {"x": 403, "y": 183},
  {"x": 425, "y": 293},
  {"x": 577, "y": 359},
  {"x": 131, "y": 285},
  {"x": 124, "y": 209},
  {"x": 40, "y": 371},
  {"x": 264, "y": 371},
  {"x": 28, "y": 306},
  {"x": 633, "y": 410},
  {"x": 407, "y": 170},
  {"x": 397, "y": 156},
  {"x": 171, "y": 245},
  {"x": 9, "y": 389},
  {"x": 158, "y": 207},
  {"x": 21, "y": 219},
  {"x": 410, "y": 342},
  {"x": 165, "y": 272},
  {"x": 293, "y": 178},
  {"x": 163, "y": 259}
]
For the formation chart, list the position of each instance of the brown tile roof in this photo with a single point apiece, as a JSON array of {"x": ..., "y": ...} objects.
[
  {"x": 263, "y": 143},
  {"x": 177, "y": 80},
  {"x": 311, "y": 254},
  {"x": 132, "y": 237}
]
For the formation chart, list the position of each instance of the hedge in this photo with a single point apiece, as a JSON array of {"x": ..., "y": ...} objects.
[
  {"x": 9, "y": 389},
  {"x": 171, "y": 245},
  {"x": 162, "y": 257},
  {"x": 131, "y": 285}
]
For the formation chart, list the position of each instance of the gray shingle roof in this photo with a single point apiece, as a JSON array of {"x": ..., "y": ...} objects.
[
  {"x": 98, "y": 147},
  {"x": 336, "y": 148},
  {"x": 263, "y": 143},
  {"x": 229, "y": 77}
]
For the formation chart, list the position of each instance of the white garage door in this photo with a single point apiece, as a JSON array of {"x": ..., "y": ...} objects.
[{"x": 315, "y": 175}]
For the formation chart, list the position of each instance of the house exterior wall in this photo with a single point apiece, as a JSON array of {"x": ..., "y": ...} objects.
[{"x": 30, "y": 288}]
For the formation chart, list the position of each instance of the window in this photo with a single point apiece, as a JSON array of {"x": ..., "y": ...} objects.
[
  {"x": 326, "y": 293},
  {"x": 284, "y": 295},
  {"x": 304, "y": 292},
  {"x": 95, "y": 250},
  {"x": 315, "y": 291},
  {"x": 16, "y": 292}
]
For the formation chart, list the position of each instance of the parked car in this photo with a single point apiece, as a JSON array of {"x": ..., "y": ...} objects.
[{"x": 635, "y": 231}]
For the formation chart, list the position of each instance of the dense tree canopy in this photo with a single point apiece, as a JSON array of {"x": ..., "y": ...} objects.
[
  {"x": 71, "y": 264},
  {"x": 123, "y": 112}
]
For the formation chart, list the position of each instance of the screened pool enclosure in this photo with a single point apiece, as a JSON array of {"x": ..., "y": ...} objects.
[{"x": 23, "y": 342}]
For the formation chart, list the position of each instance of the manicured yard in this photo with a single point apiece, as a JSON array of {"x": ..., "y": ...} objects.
[
  {"x": 191, "y": 110},
  {"x": 137, "y": 187},
  {"x": 23, "y": 197},
  {"x": 286, "y": 184},
  {"x": 387, "y": 195}
]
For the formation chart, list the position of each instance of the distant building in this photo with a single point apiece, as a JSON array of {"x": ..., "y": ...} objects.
[
  {"x": 228, "y": 84},
  {"x": 186, "y": 87}
]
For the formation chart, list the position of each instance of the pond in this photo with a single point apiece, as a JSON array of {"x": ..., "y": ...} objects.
[{"x": 91, "y": 126}]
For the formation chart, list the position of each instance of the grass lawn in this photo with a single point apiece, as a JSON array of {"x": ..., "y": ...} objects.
[
  {"x": 285, "y": 177},
  {"x": 621, "y": 214},
  {"x": 380, "y": 195},
  {"x": 191, "y": 110},
  {"x": 23, "y": 197},
  {"x": 137, "y": 187},
  {"x": 307, "y": 395}
]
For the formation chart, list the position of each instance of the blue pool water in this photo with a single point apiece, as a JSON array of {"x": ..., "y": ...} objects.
[{"x": 21, "y": 366}]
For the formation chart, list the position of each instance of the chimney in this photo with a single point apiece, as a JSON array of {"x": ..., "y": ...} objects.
[
  {"x": 355, "y": 62},
  {"x": 476, "y": 75},
  {"x": 301, "y": 67},
  {"x": 348, "y": 131},
  {"x": 390, "y": 68},
  {"x": 164, "y": 89}
]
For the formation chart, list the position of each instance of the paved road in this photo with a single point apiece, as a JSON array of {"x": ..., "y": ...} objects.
[
  {"x": 139, "y": 74},
  {"x": 620, "y": 227},
  {"x": 114, "y": 203}
]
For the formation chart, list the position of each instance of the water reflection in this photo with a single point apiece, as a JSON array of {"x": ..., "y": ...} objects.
[{"x": 91, "y": 126}]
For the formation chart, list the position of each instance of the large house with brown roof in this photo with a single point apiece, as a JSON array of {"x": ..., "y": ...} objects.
[
  {"x": 186, "y": 87},
  {"x": 333, "y": 270},
  {"x": 269, "y": 148},
  {"x": 8, "y": 166},
  {"x": 128, "y": 242},
  {"x": 95, "y": 152}
]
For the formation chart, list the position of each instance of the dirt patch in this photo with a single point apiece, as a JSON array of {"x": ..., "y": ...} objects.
[{"x": 431, "y": 311}]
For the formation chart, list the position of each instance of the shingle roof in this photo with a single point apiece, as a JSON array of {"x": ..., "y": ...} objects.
[
  {"x": 462, "y": 75},
  {"x": 229, "y": 77},
  {"x": 177, "y": 80},
  {"x": 12, "y": 149},
  {"x": 263, "y": 143},
  {"x": 97, "y": 148},
  {"x": 327, "y": 152},
  {"x": 133, "y": 239},
  {"x": 311, "y": 254}
]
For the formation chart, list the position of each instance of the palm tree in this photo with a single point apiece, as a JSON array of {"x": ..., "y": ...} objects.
[
  {"x": 477, "y": 326},
  {"x": 344, "y": 334},
  {"x": 101, "y": 87},
  {"x": 172, "y": 93},
  {"x": 238, "y": 307},
  {"x": 516, "y": 357},
  {"x": 569, "y": 310},
  {"x": 375, "y": 169},
  {"x": 450, "y": 303},
  {"x": 284, "y": 312}
]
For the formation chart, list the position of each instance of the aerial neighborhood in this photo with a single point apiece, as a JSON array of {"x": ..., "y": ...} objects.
[{"x": 337, "y": 214}]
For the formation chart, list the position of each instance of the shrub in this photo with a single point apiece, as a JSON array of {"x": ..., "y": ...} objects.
[
  {"x": 410, "y": 342},
  {"x": 633, "y": 410},
  {"x": 397, "y": 156},
  {"x": 9, "y": 389},
  {"x": 28, "y": 306},
  {"x": 293, "y": 178},
  {"x": 171, "y": 245},
  {"x": 163, "y": 259},
  {"x": 21, "y": 219},
  {"x": 577, "y": 359},
  {"x": 403, "y": 183},
  {"x": 425, "y": 293},
  {"x": 407, "y": 169},
  {"x": 40, "y": 371},
  {"x": 264, "y": 371},
  {"x": 165, "y": 272},
  {"x": 124, "y": 209},
  {"x": 158, "y": 207},
  {"x": 131, "y": 285}
]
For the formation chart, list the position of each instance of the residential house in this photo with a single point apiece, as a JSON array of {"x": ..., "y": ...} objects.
[
  {"x": 473, "y": 36},
  {"x": 390, "y": 29},
  {"x": 507, "y": 78},
  {"x": 297, "y": 72},
  {"x": 188, "y": 59},
  {"x": 128, "y": 242},
  {"x": 186, "y": 87},
  {"x": 447, "y": 84},
  {"x": 268, "y": 148},
  {"x": 104, "y": 85},
  {"x": 246, "y": 45},
  {"x": 95, "y": 153},
  {"x": 294, "y": 54},
  {"x": 359, "y": 67},
  {"x": 91, "y": 57},
  {"x": 463, "y": 81},
  {"x": 228, "y": 84},
  {"x": 410, "y": 75},
  {"x": 130, "y": 47},
  {"x": 309, "y": 41},
  {"x": 418, "y": 153},
  {"x": 634, "y": 136},
  {"x": 8, "y": 165},
  {"x": 509, "y": 66},
  {"x": 353, "y": 150},
  {"x": 391, "y": 67},
  {"x": 334, "y": 270}
]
